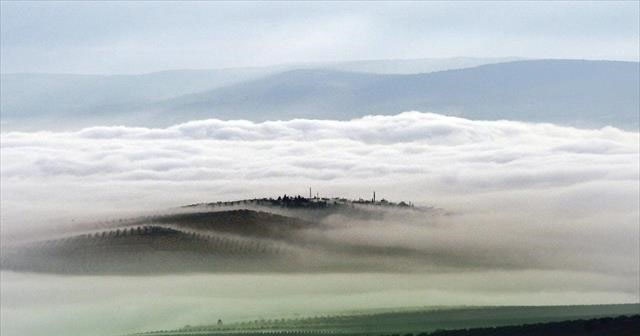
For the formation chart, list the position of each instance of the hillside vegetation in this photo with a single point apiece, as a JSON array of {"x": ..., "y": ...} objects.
[
  {"x": 240, "y": 236},
  {"x": 478, "y": 321}
]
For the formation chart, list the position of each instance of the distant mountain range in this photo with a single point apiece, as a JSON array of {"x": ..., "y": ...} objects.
[{"x": 569, "y": 92}]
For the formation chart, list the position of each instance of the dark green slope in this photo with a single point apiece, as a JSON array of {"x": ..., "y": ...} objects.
[
  {"x": 418, "y": 321},
  {"x": 144, "y": 249}
]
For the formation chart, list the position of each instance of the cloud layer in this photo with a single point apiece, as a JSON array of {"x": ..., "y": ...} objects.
[
  {"x": 529, "y": 202},
  {"x": 565, "y": 188},
  {"x": 454, "y": 152}
]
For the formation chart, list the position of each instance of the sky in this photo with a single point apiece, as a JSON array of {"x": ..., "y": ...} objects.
[{"x": 138, "y": 37}]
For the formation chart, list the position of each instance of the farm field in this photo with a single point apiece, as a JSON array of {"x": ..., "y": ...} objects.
[{"x": 413, "y": 321}]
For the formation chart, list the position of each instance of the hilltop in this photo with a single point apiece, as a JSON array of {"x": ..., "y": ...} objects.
[{"x": 283, "y": 234}]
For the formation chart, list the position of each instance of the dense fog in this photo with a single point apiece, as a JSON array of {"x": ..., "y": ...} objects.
[
  {"x": 522, "y": 214},
  {"x": 79, "y": 305}
]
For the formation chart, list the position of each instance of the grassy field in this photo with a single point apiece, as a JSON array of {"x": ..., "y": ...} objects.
[{"x": 411, "y": 321}]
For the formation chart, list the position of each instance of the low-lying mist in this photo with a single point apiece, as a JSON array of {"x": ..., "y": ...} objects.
[
  {"x": 506, "y": 213},
  {"x": 83, "y": 305}
]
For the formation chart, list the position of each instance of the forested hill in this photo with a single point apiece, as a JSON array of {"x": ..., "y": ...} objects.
[{"x": 285, "y": 234}]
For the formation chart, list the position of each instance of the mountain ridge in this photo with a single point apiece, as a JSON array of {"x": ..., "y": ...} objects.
[{"x": 579, "y": 93}]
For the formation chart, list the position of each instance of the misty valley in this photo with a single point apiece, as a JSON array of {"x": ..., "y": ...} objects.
[
  {"x": 317, "y": 168},
  {"x": 294, "y": 242},
  {"x": 112, "y": 230}
]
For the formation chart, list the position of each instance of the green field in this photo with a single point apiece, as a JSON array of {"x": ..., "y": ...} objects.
[{"x": 410, "y": 321}]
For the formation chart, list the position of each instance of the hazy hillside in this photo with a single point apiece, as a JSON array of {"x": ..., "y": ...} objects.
[
  {"x": 242, "y": 222},
  {"x": 35, "y": 101},
  {"x": 582, "y": 93},
  {"x": 228, "y": 239},
  {"x": 414, "y": 66}
]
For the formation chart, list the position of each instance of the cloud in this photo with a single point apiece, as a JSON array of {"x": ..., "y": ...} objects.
[
  {"x": 446, "y": 155},
  {"x": 535, "y": 213},
  {"x": 452, "y": 151},
  {"x": 520, "y": 194}
]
